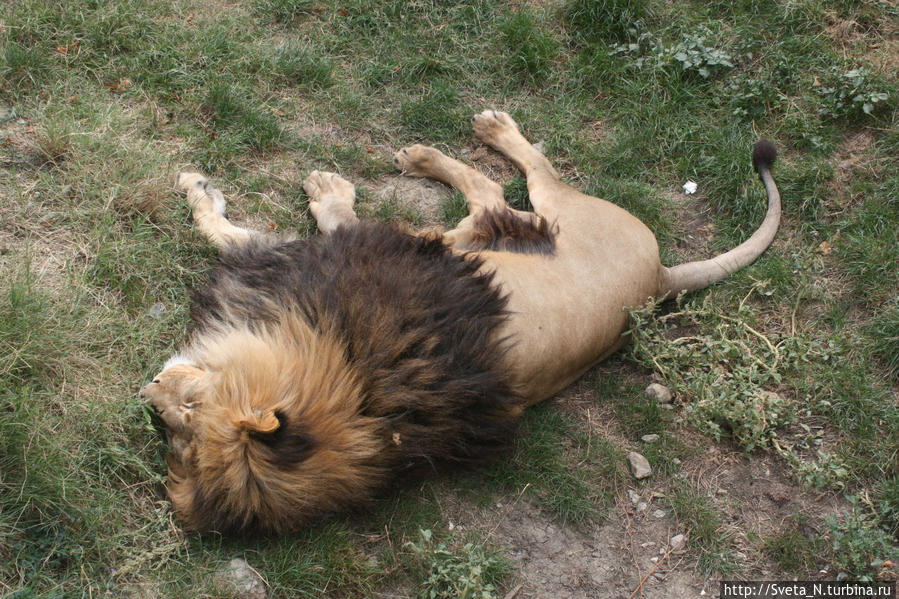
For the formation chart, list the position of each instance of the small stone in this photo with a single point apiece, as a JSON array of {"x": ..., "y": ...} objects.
[
  {"x": 634, "y": 496},
  {"x": 659, "y": 514},
  {"x": 649, "y": 438},
  {"x": 157, "y": 310},
  {"x": 639, "y": 465},
  {"x": 660, "y": 393},
  {"x": 641, "y": 507},
  {"x": 653, "y": 559},
  {"x": 238, "y": 580},
  {"x": 676, "y": 540},
  {"x": 676, "y": 462}
]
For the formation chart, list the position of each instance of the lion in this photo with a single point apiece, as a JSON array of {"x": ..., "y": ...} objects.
[{"x": 318, "y": 370}]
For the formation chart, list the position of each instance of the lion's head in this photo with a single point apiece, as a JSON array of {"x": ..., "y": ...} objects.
[{"x": 265, "y": 430}]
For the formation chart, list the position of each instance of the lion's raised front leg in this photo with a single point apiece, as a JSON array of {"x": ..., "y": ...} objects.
[
  {"x": 331, "y": 199},
  {"x": 207, "y": 205},
  {"x": 486, "y": 205},
  {"x": 423, "y": 161}
]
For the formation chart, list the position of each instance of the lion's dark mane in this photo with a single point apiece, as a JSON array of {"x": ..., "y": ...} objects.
[{"x": 419, "y": 324}]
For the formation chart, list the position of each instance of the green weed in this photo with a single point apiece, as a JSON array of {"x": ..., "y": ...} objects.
[
  {"x": 471, "y": 571},
  {"x": 861, "y": 548},
  {"x": 853, "y": 93},
  {"x": 724, "y": 371}
]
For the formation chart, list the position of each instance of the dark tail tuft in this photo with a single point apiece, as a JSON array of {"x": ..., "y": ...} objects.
[{"x": 763, "y": 155}]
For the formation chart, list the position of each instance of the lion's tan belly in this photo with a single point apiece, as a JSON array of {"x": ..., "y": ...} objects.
[{"x": 567, "y": 310}]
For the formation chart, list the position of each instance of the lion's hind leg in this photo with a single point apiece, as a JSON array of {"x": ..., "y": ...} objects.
[
  {"x": 331, "y": 199},
  {"x": 500, "y": 131},
  {"x": 207, "y": 205}
]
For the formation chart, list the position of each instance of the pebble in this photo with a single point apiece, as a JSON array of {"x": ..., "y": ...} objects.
[
  {"x": 634, "y": 496},
  {"x": 641, "y": 507},
  {"x": 649, "y": 438},
  {"x": 639, "y": 465},
  {"x": 157, "y": 310},
  {"x": 676, "y": 540},
  {"x": 238, "y": 580},
  {"x": 660, "y": 393},
  {"x": 658, "y": 514}
]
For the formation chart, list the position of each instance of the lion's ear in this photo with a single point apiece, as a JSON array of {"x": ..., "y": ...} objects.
[
  {"x": 259, "y": 421},
  {"x": 289, "y": 443}
]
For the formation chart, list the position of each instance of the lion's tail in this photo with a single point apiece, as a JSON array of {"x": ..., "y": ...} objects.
[{"x": 701, "y": 274}]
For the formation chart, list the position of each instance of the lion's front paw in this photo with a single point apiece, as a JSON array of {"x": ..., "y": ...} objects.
[
  {"x": 416, "y": 160},
  {"x": 491, "y": 125},
  {"x": 202, "y": 196},
  {"x": 331, "y": 199},
  {"x": 325, "y": 187}
]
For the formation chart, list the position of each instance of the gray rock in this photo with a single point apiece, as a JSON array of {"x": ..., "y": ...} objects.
[
  {"x": 634, "y": 496},
  {"x": 639, "y": 465},
  {"x": 240, "y": 581},
  {"x": 660, "y": 393},
  {"x": 677, "y": 540},
  {"x": 659, "y": 514},
  {"x": 649, "y": 438},
  {"x": 157, "y": 310}
]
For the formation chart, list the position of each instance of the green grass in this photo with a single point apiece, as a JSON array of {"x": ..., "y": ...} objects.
[
  {"x": 795, "y": 550},
  {"x": 571, "y": 474},
  {"x": 629, "y": 97},
  {"x": 705, "y": 529}
]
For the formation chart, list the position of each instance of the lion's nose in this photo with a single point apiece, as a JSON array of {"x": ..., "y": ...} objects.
[{"x": 145, "y": 391}]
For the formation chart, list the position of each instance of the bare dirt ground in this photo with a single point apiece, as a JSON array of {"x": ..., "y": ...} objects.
[{"x": 634, "y": 550}]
